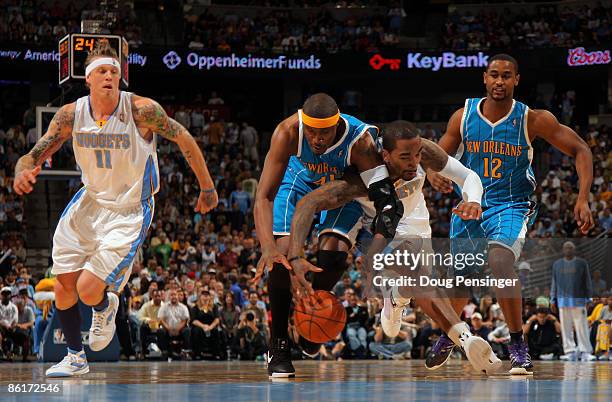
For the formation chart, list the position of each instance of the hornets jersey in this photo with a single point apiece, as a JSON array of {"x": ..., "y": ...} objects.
[
  {"x": 307, "y": 170},
  {"x": 119, "y": 167},
  {"x": 500, "y": 153},
  {"x": 318, "y": 169}
]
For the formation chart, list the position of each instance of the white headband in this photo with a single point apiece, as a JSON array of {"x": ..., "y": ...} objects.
[{"x": 104, "y": 61}]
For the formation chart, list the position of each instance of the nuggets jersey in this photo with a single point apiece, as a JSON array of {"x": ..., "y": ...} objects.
[
  {"x": 411, "y": 194},
  {"x": 500, "y": 153},
  {"x": 316, "y": 169},
  {"x": 119, "y": 167}
]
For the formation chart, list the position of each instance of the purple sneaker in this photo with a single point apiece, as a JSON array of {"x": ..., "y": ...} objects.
[
  {"x": 520, "y": 359},
  {"x": 439, "y": 353}
]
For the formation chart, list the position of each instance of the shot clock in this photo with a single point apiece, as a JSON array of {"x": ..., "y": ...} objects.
[{"x": 74, "y": 48}]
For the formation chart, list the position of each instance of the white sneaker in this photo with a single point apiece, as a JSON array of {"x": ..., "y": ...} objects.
[
  {"x": 571, "y": 357},
  {"x": 480, "y": 354},
  {"x": 587, "y": 357},
  {"x": 547, "y": 356},
  {"x": 602, "y": 357},
  {"x": 391, "y": 314},
  {"x": 73, "y": 364},
  {"x": 103, "y": 324}
]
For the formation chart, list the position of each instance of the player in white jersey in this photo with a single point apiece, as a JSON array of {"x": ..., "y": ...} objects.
[
  {"x": 99, "y": 232},
  {"x": 406, "y": 156}
]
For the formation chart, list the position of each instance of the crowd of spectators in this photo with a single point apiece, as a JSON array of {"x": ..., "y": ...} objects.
[
  {"x": 281, "y": 31},
  {"x": 191, "y": 295},
  {"x": 549, "y": 26},
  {"x": 44, "y": 23}
]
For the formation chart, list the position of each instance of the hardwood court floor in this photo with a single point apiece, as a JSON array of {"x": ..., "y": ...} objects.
[{"x": 370, "y": 380}]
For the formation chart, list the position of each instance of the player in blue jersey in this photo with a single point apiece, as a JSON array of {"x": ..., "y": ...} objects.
[
  {"x": 311, "y": 147},
  {"x": 492, "y": 136}
]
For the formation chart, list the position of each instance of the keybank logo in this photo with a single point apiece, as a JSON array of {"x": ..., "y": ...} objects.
[
  {"x": 377, "y": 62},
  {"x": 446, "y": 61},
  {"x": 172, "y": 60}
]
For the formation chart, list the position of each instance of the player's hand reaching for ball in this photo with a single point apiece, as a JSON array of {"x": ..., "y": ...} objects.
[
  {"x": 269, "y": 256},
  {"x": 439, "y": 182},
  {"x": 583, "y": 216},
  {"x": 302, "y": 289},
  {"x": 468, "y": 210},
  {"x": 24, "y": 180},
  {"x": 207, "y": 200}
]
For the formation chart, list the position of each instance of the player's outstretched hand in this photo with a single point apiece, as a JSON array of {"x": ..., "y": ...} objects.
[
  {"x": 583, "y": 216},
  {"x": 468, "y": 210},
  {"x": 207, "y": 200},
  {"x": 439, "y": 182},
  {"x": 24, "y": 181},
  {"x": 268, "y": 258},
  {"x": 302, "y": 289}
]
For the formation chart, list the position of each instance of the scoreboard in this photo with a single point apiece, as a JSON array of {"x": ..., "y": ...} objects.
[{"x": 74, "y": 49}]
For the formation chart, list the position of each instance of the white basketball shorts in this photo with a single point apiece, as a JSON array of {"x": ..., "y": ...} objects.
[{"x": 101, "y": 240}]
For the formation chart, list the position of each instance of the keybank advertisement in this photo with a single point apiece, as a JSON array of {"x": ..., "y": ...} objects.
[{"x": 420, "y": 61}]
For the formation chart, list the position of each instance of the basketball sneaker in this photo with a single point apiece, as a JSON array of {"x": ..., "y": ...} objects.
[
  {"x": 480, "y": 355},
  {"x": 279, "y": 359},
  {"x": 569, "y": 357},
  {"x": 391, "y": 314},
  {"x": 103, "y": 324},
  {"x": 520, "y": 359},
  {"x": 73, "y": 364},
  {"x": 439, "y": 353},
  {"x": 309, "y": 349}
]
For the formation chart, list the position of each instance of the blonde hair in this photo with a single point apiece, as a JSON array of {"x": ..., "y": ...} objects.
[
  {"x": 102, "y": 49},
  {"x": 209, "y": 306}
]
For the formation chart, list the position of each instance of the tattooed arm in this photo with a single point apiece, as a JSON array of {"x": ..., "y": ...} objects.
[
  {"x": 433, "y": 156},
  {"x": 28, "y": 166},
  {"x": 435, "y": 160},
  {"x": 150, "y": 116},
  {"x": 329, "y": 196}
]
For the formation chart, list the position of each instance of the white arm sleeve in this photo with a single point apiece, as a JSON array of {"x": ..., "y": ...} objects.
[
  {"x": 373, "y": 175},
  {"x": 471, "y": 187}
]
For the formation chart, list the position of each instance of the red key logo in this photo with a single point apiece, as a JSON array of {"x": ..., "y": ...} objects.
[{"x": 377, "y": 62}]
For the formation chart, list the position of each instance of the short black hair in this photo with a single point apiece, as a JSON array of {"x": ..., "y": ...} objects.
[
  {"x": 397, "y": 130},
  {"x": 320, "y": 106},
  {"x": 504, "y": 57},
  {"x": 543, "y": 310}
]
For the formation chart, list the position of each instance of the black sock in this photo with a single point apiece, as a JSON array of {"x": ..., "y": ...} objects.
[
  {"x": 103, "y": 304},
  {"x": 334, "y": 266},
  {"x": 70, "y": 320},
  {"x": 516, "y": 337},
  {"x": 279, "y": 290}
]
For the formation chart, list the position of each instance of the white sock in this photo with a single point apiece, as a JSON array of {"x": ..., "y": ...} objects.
[
  {"x": 397, "y": 297},
  {"x": 459, "y": 333}
]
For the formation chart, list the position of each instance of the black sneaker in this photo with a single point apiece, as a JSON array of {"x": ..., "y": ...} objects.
[
  {"x": 309, "y": 349},
  {"x": 279, "y": 359},
  {"x": 440, "y": 352}
]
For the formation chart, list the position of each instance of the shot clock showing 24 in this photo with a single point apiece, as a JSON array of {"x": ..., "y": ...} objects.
[{"x": 74, "y": 48}]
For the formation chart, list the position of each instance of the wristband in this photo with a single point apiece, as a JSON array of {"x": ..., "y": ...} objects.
[
  {"x": 297, "y": 257},
  {"x": 209, "y": 190}
]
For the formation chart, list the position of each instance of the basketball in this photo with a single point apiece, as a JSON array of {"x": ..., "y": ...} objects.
[{"x": 321, "y": 318}]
